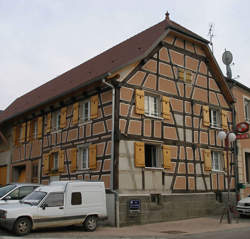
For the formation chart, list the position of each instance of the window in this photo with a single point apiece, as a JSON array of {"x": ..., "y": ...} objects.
[
  {"x": 84, "y": 113},
  {"x": 20, "y": 193},
  {"x": 215, "y": 118},
  {"x": 247, "y": 109},
  {"x": 34, "y": 133},
  {"x": 152, "y": 156},
  {"x": 58, "y": 119},
  {"x": 76, "y": 198},
  {"x": 247, "y": 160},
  {"x": 34, "y": 170},
  {"x": 152, "y": 105},
  {"x": 83, "y": 158},
  {"x": 55, "y": 161},
  {"x": 217, "y": 164},
  {"x": 55, "y": 200}
]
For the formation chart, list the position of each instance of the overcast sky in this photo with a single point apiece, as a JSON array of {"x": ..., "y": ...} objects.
[{"x": 41, "y": 39}]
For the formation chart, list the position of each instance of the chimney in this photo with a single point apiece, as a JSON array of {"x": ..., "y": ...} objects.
[{"x": 167, "y": 15}]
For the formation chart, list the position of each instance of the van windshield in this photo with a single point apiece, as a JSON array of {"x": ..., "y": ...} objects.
[
  {"x": 34, "y": 198},
  {"x": 4, "y": 190}
]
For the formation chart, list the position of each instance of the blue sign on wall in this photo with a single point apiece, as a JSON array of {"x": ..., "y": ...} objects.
[{"x": 134, "y": 204}]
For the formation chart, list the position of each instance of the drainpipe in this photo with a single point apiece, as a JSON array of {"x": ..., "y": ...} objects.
[{"x": 117, "y": 221}]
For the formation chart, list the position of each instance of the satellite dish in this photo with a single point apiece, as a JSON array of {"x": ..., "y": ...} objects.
[{"x": 227, "y": 57}]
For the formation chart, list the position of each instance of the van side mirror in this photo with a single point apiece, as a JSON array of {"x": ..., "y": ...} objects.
[
  {"x": 44, "y": 205},
  {"x": 7, "y": 198}
]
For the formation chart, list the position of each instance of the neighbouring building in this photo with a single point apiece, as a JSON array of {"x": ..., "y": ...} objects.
[
  {"x": 241, "y": 94},
  {"x": 142, "y": 116}
]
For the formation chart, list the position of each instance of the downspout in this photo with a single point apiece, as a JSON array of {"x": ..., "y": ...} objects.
[{"x": 117, "y": 221}]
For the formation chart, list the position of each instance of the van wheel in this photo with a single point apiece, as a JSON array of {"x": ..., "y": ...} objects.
[
  {"x": 22, "y": 226},
  {"x": 90, "y": 223}
]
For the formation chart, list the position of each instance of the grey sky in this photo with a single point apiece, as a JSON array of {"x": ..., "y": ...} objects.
[{"x": 41, "y": 39}]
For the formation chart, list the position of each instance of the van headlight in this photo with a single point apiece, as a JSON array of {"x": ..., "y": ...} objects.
[{"x": 3, "y": 214}]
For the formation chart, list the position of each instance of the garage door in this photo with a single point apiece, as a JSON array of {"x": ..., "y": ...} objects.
[{"x": 3, "y": 175}]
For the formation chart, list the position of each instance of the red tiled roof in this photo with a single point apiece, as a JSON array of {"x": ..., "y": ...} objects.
[{"x": 135, "y": 48}]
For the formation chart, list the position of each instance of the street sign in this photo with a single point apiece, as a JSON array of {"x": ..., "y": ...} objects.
[
  {"x": 242, "y": 127},
  {"x": 242, "y": 136}
]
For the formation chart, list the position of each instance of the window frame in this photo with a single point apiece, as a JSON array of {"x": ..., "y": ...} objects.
[
  {"x": 218, "y": 122},
  {"x": 247, "y": 109},
  {"x": 158, "y": 156},
  {"x": 148, "y": 105},
  {"x": 55, "y": 165},
  {"x": 81, "y": 149},
  {"x": 219, "y": 159},
  {"x": 82, "y": 107}
]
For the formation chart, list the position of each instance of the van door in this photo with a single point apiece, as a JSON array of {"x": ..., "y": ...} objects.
[{"x": 51, "y": 212}]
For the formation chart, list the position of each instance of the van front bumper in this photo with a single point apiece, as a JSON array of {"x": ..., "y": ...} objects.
[{"x": 7, "y": 223}]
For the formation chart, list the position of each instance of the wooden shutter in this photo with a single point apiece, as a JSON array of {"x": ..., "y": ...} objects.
[
  {"x": 22, "y": 139},
  {"x": 181, "y": 73},
  {"x": 92, "y": 156},
  {"x": 75, "y": 113},
  {"x": 94, "y": 107},
  {"x": 48, "y": 127},
  {"x": 205, "y": 114},
  {"x": 16, "y": 135},
  {"x": 167, "y": 164},
  {"x": 165, "y": 107},
  {"x": 73, "y": 158},
  {"x": 63, "y": 120},
  {"x": 39, "y": 127},
  {"x": 28, "y": 130},
  {"x": 139, "y": 154},
  {"x": 224, "y": 119},
  {"x": 225, "y": 160},
  {"x": 207, "y": 160},
  {"x": 45, "y": 164},
  {"x": 139, "y": 101},
  {"x": 61, "y": 161},
  {"x": 188, "y": 77}
]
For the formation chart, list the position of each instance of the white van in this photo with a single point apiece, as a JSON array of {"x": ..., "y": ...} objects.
[{"x": 61, "y": 203}]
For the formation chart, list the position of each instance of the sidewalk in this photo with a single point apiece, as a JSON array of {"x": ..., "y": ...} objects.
[{"x": 156, "y": 230}]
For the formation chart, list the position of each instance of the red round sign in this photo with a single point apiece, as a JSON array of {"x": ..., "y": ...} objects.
[{"x": 242, "y": 127}]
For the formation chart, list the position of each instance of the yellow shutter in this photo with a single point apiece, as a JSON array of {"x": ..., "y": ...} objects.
[
  {"x": 48, "y": 127},
  {"x": 224, "y": 119},
  {"x": 165, "y": 107},
  {"x": 39, "y": 127},
  {"x": 94, "y": 107},
  {"x": 75, "y": 113},
  {"x": 188, "y": 77},
  {"x": 139, "y": 101},
  {"x": 63, "y": 120},
  {"x": 205, "y": 114},
  {"x": 23, "y": 132},
  {"x": 181, "y": 73},
  {"x": 139, "y": 154},
  {"x": 45, "y": 164},
  {"x": 61, "y": 161},
  {"x": 92, "y": 156},
  {"x": 207, "y": 160},
  {"x": 167, "y": 164},
  {"x": 73, "y": 158},
  {"x": 225, "y": 160},
  {"x": 16, "y": 134},
  {"x": 28, "y": 130}
]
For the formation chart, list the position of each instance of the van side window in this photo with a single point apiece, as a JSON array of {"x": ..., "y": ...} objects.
[
  {"x": 76, "y": 198},
  {"x": 55, "y": 200}
]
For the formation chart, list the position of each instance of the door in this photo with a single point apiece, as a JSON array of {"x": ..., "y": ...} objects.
[
  {"x": 3, "y": 175},
  {"x": 22, "y": 176},
  {"x": 51, "y": 212}
]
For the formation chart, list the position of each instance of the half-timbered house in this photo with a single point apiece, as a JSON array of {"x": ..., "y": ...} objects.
[{"x": 143, "y": 117}]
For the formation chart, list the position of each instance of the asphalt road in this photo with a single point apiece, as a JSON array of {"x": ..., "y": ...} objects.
[{"x": 78, "y": 232}]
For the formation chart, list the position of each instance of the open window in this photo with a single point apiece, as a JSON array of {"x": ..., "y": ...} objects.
[
  {"x": 153, "y": 157},
  {"x": 247, "y": 109}
]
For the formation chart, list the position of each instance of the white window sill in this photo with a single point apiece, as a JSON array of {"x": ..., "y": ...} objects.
[
  {"x": 81, "y": 123},
  {"x": 153, "y": 168},
  {"x": 217, "y": 171},
  {"x": 56, "y": 131},
  {"x": 216, "y": 127},
  {"x": 153, "y": 116}
]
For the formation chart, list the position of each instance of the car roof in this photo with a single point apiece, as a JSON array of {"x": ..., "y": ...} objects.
[{"x": 24, "y": 184}]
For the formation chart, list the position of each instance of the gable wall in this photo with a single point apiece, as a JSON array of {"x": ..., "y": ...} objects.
[{"x": 184, "y": 132}]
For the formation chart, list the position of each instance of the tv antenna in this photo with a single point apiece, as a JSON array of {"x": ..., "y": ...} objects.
[{"x": 211, "y": 35}]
